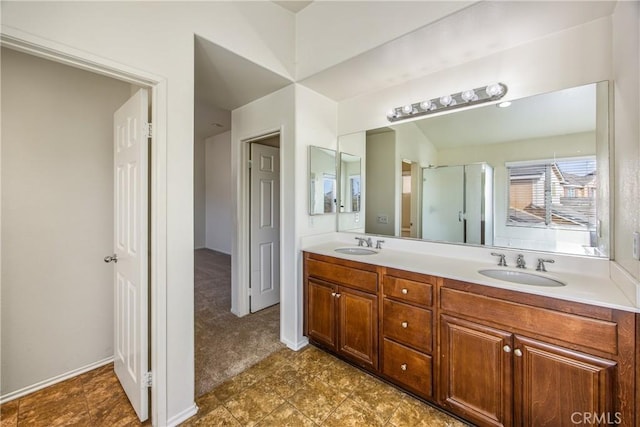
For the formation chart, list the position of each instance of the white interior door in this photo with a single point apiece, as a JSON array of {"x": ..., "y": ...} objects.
[
  {"x": 265, "y": 226},
  {"x": 131, "y": 238},
  {"x": 443, "y": 204}
]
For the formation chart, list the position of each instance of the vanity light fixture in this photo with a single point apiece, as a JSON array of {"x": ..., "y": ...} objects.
[{"x": 465, "y": 98}]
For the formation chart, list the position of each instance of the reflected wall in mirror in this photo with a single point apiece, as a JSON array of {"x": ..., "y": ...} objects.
[
  {"x": 323, "y": 184},
  {"x": 350, "y": 190},
  {"x": 533, "y": 174}
]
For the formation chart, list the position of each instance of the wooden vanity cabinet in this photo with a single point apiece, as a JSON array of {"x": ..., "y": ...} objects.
[
  {"x": 508, "y": 360},
  {"x": 407, "y": 330},
  {"x": 342, "y": 308}
]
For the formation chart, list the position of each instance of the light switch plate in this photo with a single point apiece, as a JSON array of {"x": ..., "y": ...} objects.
[{"x": 636, "y": 245}]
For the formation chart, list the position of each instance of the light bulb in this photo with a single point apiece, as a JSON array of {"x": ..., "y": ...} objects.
[
  {"x": 407, "y": 109},
  {"x": 446, "y": 100},
  {"x": 494, "y": 89},
  {"x": 391, "y": 113},
  {"x": 469, "y": 95},
  {"x": 427, "y": 105}
]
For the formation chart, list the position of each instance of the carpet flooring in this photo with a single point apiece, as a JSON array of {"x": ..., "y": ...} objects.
[{"x": 226, "y": 344}]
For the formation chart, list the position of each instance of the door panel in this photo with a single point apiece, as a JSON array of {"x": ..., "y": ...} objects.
[
  {"x": 130, "y": 241},
  {"x": 476, "y": 371},
  {"x": 555, "y": 384},
  {"x": 265, "y": 226},
  {"x": 443, "y": 204},
  {"x": 358, "y": 329},
  {"x": 321, "y": 313}
]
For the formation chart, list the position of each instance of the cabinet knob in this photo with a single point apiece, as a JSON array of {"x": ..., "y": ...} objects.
[
  {"x": 337, "y": 295},
  {"x": 405, "y": 324},
  {"x": 517, "y": 352},
  {"x": 403, "y": 366},
  {"x": 506, "y": 349},
  {"x": 405, "y": 291},
  {"x": 333, "y": 294}
]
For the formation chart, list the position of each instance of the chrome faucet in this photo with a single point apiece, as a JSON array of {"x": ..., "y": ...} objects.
[
  {"x": 502, "y": 262},
  {"x": 541, "y": 266},
  {"x": 363, "y": 240},
  {"x": 520, "y": 261}
]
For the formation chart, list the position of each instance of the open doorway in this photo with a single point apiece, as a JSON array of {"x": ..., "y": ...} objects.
[
  {"x": 60, "y": 199},
  {"x": 226, "y": 344}
]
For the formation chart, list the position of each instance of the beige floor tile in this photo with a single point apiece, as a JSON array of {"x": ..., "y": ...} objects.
[
  {"x": 352, "y": 414},
  {"x": 286, "y": 415},
  {"x": 220, "y": 416},
  {"x": 316, "y": 400},
  {"x": 411, "y": 412},
  {"x": 382, "y": 399},
  {"x": 253, "y": 404},
  {"x": 9, "y": 414}
]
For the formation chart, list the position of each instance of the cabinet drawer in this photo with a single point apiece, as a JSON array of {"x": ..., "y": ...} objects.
[
  {"x": 408, "y": 367},
  {"x": 408, "y": 324},
  {"x": 408, "y": 290},
  {"x": 347, "y": 276},
  {"x": 570, "y": 328}
]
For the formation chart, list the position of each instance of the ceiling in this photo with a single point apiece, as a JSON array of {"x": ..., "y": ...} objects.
[
  {"x": 294, "y": 6},
  {"x": 558, "y": 113},
  {"x": 225, "y": 81}
]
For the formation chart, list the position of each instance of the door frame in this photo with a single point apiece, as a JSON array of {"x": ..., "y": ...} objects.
[
  {"x": 157, "y": 85},
  {"x": 240, "y": 304}
]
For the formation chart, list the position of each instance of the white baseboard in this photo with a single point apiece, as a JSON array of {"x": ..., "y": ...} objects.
[
  {"x": 295, "y": 346},
  {"x": 183, "y": 416},
  {"x": 51, "y": 381}
]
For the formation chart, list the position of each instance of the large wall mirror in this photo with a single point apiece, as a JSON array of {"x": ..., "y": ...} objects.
[
  {"x": 323, "y": 184},
  {"x": 531, "y": 174}
]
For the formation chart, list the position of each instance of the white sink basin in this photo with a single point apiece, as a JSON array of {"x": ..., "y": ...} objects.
[
  {"x": 356, "y": 251},
  {"x": 522, "y": 277}
]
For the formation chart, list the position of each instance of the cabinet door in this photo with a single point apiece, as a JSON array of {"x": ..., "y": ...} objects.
[
  {"x": 321, "y": 313},
  {"x": 358, "y": 326},
  {"x": 476, "y": 372},
  {"x": 560, "y": 387}
]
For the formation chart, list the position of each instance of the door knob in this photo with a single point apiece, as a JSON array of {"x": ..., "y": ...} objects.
[{"x": 111, "y": 258}]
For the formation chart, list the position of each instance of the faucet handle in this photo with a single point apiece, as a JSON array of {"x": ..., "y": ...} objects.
[
  {"x": 379, "y": 244},
  {"x": 360, "y": 240},
  {"x": 502, "y": 262},
  {"x": 541, "y": 266},
  {"x": 520, "y": 262}
]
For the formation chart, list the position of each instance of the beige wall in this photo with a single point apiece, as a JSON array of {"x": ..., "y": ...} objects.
[
  {"x": 626, "y": 93},
  {"x": 57, "y": 218},
  {"x": 219, "y": 226}
]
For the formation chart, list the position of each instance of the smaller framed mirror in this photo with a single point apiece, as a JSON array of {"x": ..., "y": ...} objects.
[
  {"x": 323, "y": 185},
  {"x": 350, "y": 183}
]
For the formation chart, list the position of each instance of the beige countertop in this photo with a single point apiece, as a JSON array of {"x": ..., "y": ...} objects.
[{"x": 584, "y": 288}]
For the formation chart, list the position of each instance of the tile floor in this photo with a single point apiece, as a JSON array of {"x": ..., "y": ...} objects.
[
  {"x": 311, "y": 388},
  {"x": 92, "y": 399},
  {"x": 305, "y": 388}
]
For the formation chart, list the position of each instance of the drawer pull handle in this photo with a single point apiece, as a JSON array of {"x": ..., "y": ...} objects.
[
  {"x": 403, "y": 366},
  {"x": 405, "y": 324},
  {"x": 517, "y": 352},
  {"x": 506, "y": 349},
  {"x": 405, "y": 291}
]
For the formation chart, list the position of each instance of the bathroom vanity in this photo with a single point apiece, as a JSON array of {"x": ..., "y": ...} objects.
[{"x": 493, "y": 355}]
